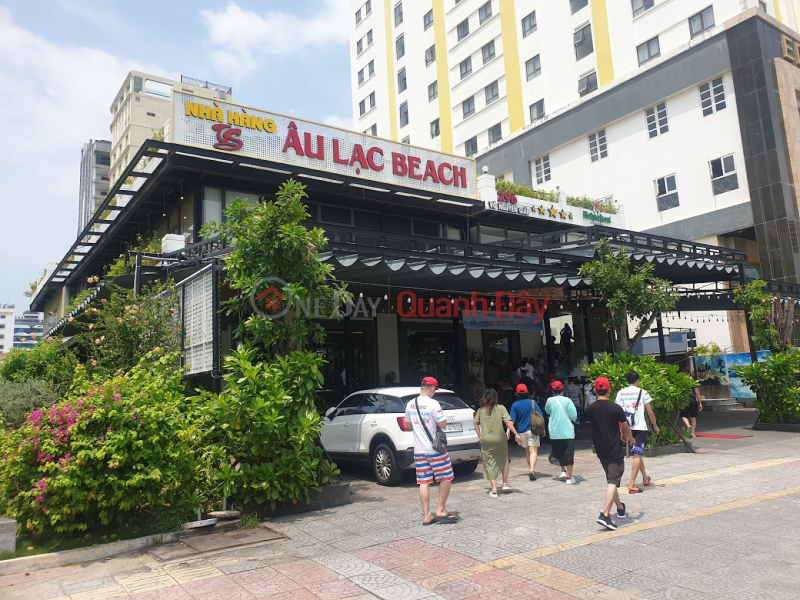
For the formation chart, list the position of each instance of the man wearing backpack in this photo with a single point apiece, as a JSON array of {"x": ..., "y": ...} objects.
[
  {"x": 529, "y": 422},
  {"x": 635, "y": 402}
]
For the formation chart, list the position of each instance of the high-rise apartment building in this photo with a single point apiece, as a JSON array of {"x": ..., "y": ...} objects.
[
  {"x": 94, "y": 181},
  {"x": 462, "y": 75},
  {"x": 143, "y": 106},
  {"x": 27, "y": 329},
  {"x": 6, "y": 327}
]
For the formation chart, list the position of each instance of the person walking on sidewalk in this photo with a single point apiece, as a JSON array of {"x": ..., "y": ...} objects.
[
  {"x": 689, "y": 414},
  {"x": 425, "y": 415},
  {"x": 607, "y": 420},
  {"x": 635, "y": 401},
  {"x": 562, "y": 431},
  {"x": 489, "y": 422},
  {"x": 522, "y": 414}
]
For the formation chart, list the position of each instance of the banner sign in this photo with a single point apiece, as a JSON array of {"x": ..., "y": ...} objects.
[
  {"x": 533, "y": 323},
  {"x": 739, "y": 389},
  {"x": 270, "y": 136}
]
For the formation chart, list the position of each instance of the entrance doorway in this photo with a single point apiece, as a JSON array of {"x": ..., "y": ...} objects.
[
  {"x": 428, "y": 349},
  {"x": 334, "y": 350}
]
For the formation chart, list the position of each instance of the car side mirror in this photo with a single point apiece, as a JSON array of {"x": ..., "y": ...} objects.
[{"x": 330, "y": 412}]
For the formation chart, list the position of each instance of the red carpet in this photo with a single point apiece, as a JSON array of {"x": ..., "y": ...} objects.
[{"x": 721, "y": 436}]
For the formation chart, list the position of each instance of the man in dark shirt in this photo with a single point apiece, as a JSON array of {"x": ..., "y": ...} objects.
[{"x": 608, "y": 419}]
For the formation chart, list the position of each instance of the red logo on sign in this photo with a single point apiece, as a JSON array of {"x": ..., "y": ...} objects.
[
  {"x": 507, "y": 197},
  {"x": 270, "y": 303},
  {"x": 227, "y": 137},
  {"x": 596, "y": 207}
]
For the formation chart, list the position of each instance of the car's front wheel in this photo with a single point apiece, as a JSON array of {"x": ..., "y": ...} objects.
[{"x": 384, "y": 465}]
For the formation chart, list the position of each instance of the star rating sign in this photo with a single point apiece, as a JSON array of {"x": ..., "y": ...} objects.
[
  {"x": 570, "y": 216},
  {"x": 541, "y": 210},
  {"x": 563, "y": 214},
  {"x": 553, "y": 212}
]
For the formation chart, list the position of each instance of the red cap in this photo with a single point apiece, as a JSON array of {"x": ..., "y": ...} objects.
[
  {"x": 601, "y": 384},
  {"x": 523, "y": 389},
  {"x": 557, "y": 386},
  {"x": 430, "y": 381}
]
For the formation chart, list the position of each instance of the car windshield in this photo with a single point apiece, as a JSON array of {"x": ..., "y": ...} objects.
[{"x": 446, "y": 401}]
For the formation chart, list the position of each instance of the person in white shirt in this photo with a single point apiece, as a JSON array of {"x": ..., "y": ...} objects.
[
  {"x": 636, "y": 402},
  {"x": 588, "y": 395},
  {"x": 424, "y": 413},
  {"x": 529, "y": 369}
]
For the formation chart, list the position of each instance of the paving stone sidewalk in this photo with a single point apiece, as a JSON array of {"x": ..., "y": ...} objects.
[{"x": 719, "y": 524}]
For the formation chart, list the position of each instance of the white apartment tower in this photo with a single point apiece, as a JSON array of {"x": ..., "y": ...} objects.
[
  {"x": 94, "y": 181},
  {"x": 143, "y": 105},
  {"x": 6, "y": 328}
]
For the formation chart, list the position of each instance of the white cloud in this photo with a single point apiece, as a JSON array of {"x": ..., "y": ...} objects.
[
  {"x": 243, "y": 37},
  {"x": 337, "y": 121},
  {"x": 55, "y": 99}
]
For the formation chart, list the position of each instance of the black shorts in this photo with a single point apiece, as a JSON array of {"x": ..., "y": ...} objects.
[
  {"x": 691, "y": 410},
  {"x": 640, "y": 437},
  {"x": 614, "y": 468},
  {"x": 562, "y": 452}
]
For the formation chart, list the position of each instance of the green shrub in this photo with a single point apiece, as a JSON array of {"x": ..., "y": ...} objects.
[
  {"x": 260, "y": 433},
  {"x": 668, "y": 387},
  {"x": 777, "y": 383},
  {"x": 20, "y": 398},
  {"x": 48, "y": 361},
  {"x": 606, "y": 204},
  {"x": 115, "y": 453},
  {"x": 526, "y": 191}
]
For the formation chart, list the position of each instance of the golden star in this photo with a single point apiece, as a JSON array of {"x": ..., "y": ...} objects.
[
  {"x": 553, "y": 212},
  {"x": 570, "y": 216},
  {"x": 541, "y": 210},
  {"x": 563, "y": 214}
]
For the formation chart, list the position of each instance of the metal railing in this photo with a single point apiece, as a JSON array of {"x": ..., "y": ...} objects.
[{"x": 225, "y": 89}]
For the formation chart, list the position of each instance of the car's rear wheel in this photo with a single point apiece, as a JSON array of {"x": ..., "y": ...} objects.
[
  {"x": 466, "y": 467},
  {"x": 384, "y": 465}
]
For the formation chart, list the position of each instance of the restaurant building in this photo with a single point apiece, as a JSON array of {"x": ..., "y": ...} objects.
[{"x": 400, "y": 220}]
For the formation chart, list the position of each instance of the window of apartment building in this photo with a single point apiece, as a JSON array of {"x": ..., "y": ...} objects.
[
  {"x": 465, "y": 67},
  {"x": 537, "y": 110},
  {"x": 582, "y": 40},
  {"x": 362, "y": 107},
  {"x": 368, "y": 7},
  {"x": 401, "y": 80},
  {"x": 360, "y": 46},
  {"x": 529, "y": 24},
  {"x": 358, "y": 16},
  {"x": 434, "y": 128},
  {"x": 427, "y": 20},
  {"x": 433, "y": 91},
  {"x": 372, "y": 100},
  {"x": 406, "y": 140},
  {"x": 462, "y": 29},
  {"x": 398, "y": 14},
  {"x": 588, "y": 83},
  {"x": 648, "y": 51},
  {"x": 656, "y": 117},
  {"x": 371, "y": 68},
  {"x": 542, "y": 168},
  {"x": 400, "y": 47},
  {"x": 702, "y": 21},
  {"x": 723, "y": 175},
  {"x": 361, "y": 76},
  {"x": 488, "y": 52},
  {"x": 492, "y": 92},
  {"x": 642, "y": 6},
  {"x": 576, "y": 5},
  {"x": 372, "y": 130},
  {"x": 495, "y": 133},
  {"x": 404, "y": 114},
  {"x": 471, "y": 146},
  {"x": 430, "y": 55},
  {"x": 485, "y": 12},
  {"x": 598, "y": 148},
  {"x": 712, "y": 96},
  {"x": 369, "y": 38},
  {"x": 762, "y": 5},
  {"x": 533, "y": 67},
  {"x": 468, "y": 107},
  {"x": 667, "y": 193}
]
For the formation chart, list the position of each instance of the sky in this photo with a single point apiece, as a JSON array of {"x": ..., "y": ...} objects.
[{"x": 63, "y": 61}]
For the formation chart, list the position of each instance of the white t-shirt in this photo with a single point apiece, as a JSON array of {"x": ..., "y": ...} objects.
[
  {"x": 540, "y": 365},
  {"x": 529, "y": 369},
  {"x": 589, "y": 395},
  {"x": 432, "y": 414},
  {"x": 626, "y": 398}
]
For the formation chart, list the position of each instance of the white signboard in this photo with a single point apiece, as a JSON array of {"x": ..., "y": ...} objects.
[
  {"x": 560, "y": 211},
  {"x": 251, "y": 132}
]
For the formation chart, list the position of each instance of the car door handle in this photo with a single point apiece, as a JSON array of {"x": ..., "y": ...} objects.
[{"x": 346, "y": 424}]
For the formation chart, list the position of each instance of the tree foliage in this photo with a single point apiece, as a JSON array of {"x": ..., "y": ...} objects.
[
  {"x": 772, "y": 316},
  {"x": 628, "y": 292},
  {"x": 709, "y": 349},
  {"x": 777, "y": 383},
  {"x": 47, "y": 361}
]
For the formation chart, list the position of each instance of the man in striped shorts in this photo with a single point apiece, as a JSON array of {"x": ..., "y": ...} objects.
[{"x": 431, "y": 465}]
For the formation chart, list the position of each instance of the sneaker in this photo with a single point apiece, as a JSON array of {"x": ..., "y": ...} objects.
[
  {"x": 606, "y": 522},
  {"x": 571, "y": 481},
  {"x": 563, "y": 475},
  {"x": 622, "y": 514}
]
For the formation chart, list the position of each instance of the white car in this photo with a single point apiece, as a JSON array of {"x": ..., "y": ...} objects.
[{"x": 370, "y": 427}]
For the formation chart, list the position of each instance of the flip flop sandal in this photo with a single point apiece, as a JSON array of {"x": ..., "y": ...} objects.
[
  {"x": 447, "y": 519},
  {"x": 506, "y": 487},
  {"x": 493, "y": 494},
  {"x": 634, "y": 490},
  {"x": 430, "y": 522}
]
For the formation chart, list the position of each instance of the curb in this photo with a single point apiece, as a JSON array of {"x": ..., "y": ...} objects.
[
  {"x": 784, "y": 427},
  {"x": 39, "y": 562}
]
